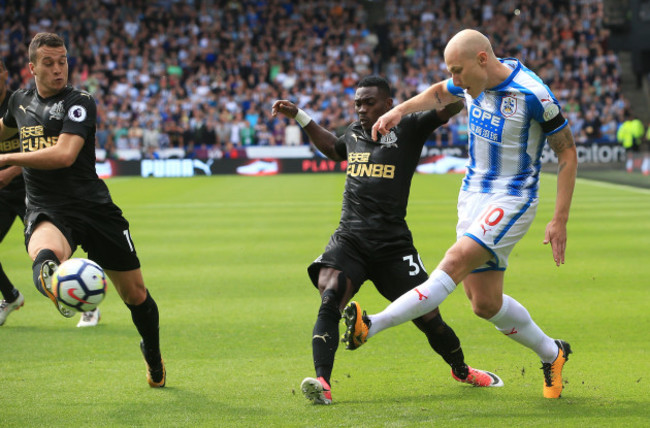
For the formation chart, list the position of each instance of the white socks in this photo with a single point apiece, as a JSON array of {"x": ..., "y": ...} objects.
[
  {"x": 514, "y": 321},
  {"x": 413, "y": 304}
]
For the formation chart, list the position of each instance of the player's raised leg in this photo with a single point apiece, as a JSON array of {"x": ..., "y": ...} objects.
[
  {"x": 441, "y": 338},
  {"x": 412, "y": 304},
  {"x": 48, "y": 247},
  {"x": 463, "y": 257}
]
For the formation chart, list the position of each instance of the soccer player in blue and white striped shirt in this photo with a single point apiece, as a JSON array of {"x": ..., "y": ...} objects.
[{"x": 511, "y": 114}]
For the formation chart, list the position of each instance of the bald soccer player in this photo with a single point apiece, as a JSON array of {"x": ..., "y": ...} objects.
[{"x": 511, "y": 114}]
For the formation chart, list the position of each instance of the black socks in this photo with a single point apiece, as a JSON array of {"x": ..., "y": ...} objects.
[
  {"x": 9, "y": 293},
  {"x": 145, "y": 318},
  {"x": 325, "y": 340},
  {"x": 41, "y": 257},
  {"x": 444, "y": 341}
]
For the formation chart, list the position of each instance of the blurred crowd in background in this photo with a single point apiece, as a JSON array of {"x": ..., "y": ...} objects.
[{"x": 201, "y": 76}]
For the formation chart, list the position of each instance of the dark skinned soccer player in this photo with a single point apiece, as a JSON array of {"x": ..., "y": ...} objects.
[{"x": 373, "y": 241}]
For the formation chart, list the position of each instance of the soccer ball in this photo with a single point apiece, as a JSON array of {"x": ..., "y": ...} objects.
[{"x": 79, "y": 284}]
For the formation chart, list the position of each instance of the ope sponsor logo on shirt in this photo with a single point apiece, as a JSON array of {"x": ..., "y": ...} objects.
[{"x": 484, "y": 124}]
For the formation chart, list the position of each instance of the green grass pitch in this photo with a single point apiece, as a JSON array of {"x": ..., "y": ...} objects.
[{"x": 225, "y": 257}]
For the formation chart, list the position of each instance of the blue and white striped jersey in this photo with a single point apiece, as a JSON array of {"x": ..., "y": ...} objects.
[{"x": 505, "y": 133}]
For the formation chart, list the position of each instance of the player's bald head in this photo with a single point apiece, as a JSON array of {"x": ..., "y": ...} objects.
[{"x": 468, "y": 44}]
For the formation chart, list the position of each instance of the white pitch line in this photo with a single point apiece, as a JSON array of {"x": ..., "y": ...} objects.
[{"x": 598, "y": 183}]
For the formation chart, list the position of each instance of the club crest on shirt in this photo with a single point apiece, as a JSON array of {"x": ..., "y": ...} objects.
[
  {"x": 56, "y": 111},
  {"x": 508, "y": 106},
  {"x": 389, "y": 140}
]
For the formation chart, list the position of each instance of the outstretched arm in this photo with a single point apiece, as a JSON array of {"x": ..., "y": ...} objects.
[
  {"x": 61, "y": 155},
  {"x": 450, "y": 110},
  {"x": 322, "y": 138},
  {"x": 556, "y": 234},
  {"x": 435, "y": 96}
]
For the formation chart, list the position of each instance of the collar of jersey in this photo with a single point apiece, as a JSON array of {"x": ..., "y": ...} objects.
[
  {"x": 361, "y": 133},
  {"x": 509, "y": 62},
  {"x": 64, "y": 91}
]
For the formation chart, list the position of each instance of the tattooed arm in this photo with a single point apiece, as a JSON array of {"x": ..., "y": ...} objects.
[{"x": 562, "y": 144}]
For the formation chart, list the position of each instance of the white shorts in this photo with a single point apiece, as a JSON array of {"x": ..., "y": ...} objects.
[{"x": 495, "y": 221}]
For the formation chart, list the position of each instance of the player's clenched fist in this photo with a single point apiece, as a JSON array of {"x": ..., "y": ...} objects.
[
  {"x": 385, "y": 123},
  {"x": 284, "y": 107}
]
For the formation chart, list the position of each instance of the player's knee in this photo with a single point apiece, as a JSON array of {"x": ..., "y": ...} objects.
[
  {"x": 44, "y": 252},
  {"x": 430, "y": 323},
  {"x": 327, "y": 280},
  {"x": 463, "y": 257},
  {"x": 132, "y": 294},
  {"x": 332, "y": 288},
  {"x": 434, "y": 315},
  {"x": 485, "y": 308},
  {"x": 135, "y": 297},
  {"x": 455, "y": 263},
  {"x": 330, "y": 298}
]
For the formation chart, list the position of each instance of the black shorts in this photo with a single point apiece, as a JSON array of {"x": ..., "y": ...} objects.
[
  {"x": 393, "y": 271},
  {"x": 12, "y": 205},
  {"x": 100, "y": 229}
]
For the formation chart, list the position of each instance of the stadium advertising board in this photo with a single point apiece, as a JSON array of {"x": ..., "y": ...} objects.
[{"x": 434, "y": 160}]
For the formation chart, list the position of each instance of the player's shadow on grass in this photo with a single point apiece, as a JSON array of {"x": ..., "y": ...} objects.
[
  {"x": 179, "y": 406},
  {"x": 499, "y": 403}
]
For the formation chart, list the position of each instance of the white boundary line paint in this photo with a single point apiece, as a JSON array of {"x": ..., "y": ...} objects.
[{"x": 597, "y": 183}]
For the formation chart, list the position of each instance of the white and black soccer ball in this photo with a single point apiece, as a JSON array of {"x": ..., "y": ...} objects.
[{"x": 79, "y": 284}]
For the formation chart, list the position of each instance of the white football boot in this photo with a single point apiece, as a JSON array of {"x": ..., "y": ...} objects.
[
  {"x": 90, "y": 318},
  {"x": 6, "y": 308}
]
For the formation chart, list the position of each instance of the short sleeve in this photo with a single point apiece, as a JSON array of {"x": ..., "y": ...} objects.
[
  {"x": 81, "y": 115},
  {"x": 455, "y": 90},
  {"x": 8, "y": 118},
  {"x": 340, "y": 147}
]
